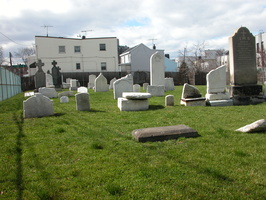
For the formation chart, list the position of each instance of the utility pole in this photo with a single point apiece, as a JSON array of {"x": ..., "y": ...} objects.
[{"x": 47, "y": 27}]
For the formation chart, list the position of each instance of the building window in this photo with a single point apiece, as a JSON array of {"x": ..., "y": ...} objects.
[
  {"x": 62, "y": 49},
  {"x": 77, "y": 49},
  {"x": 102, "y": 47},
  {"x": 77, "y": 65},
  {"x": 103, "y": 66}
]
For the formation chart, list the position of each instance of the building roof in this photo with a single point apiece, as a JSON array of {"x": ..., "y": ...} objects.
[{"x": 50, "y": 37}]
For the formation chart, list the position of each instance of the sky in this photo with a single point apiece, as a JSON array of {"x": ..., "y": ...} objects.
[{"x": 171, "y": 24}]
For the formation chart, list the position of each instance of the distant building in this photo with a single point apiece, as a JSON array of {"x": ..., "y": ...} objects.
[
  {"x": 137, "y": 59},
  {"x": 77, "y": 55},
  {"x": 261, "y": 56}
]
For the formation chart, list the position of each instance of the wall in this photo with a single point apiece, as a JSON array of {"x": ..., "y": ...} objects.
[{"x": 10, "y": 84}]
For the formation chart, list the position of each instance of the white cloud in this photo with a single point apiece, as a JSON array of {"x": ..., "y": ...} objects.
[{"x": 174, "y": 23}]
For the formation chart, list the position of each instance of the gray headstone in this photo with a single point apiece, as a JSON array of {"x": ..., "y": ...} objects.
[
  {"x": 64, "y": 99},
  {"x": 145, "y": 86},
  {"x": 38, "y": 106},
  {"x": 243, "y": 70},
  {"x": 40, "y": 77},
  {"x": 190, "y": 91},
  {"x": 156, "y": 90},
  {"x": 136, "y": 88},
  {"x": 82, "y": 101},
  {"x": 100, "y": 84},
  {"x": 49, "y": 92},
  {"x": 124, "y": 84},
  {"x": 257, "y": 126},
  {"x": 169, "y": 100},
  {"x": 92, "y": 78},
  {"x": 169, "y": 84},
  {"x": 111, "y": 86},
  {"x": 49, "y": 80},
  {"x": 164, "y": 133}
]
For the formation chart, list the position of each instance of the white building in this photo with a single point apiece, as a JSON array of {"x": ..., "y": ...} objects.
[{"x": 78, "y": 55}]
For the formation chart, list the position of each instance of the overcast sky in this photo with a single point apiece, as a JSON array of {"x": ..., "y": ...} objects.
[{"x": 175, "y": 24}]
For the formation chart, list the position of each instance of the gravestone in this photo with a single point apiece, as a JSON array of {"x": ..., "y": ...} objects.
[
  {"x": 38, "y": 106},
  {"x": 169, "y": 100},
  {"x": 169, "y": 84},
  {"x": 100, "y": 84},
  {"x": 133, "y": 101},
  {"x": 124, "y": 84},
  {"x": 136, "y": 88},
  {"x": 49, "y": 80},
  {"x": 216, "y": 88},
  {"x": 82, "y": 101},
  {"x": 92, "y": 78},
  {"x": 64, "y": 99},
  {"x": 191, "y": 96},
  {"x": 243, "y": 70},
  {"x": 257, "y": 126},
  {"x": 57, "y": 78},
  {"x": 145, "y": 86},
  {"x": 82, "y": 90},
  {"x": 164, "y": 133},
  {"x": 66, "y": 93},
  {"x": 40, "y": 77},
  {"x": 111, "y": 86},
  {"x": 73, "y": 84},
  {"x": 49, "y": 92},
  {"x": 156, "y": 90},
  {"x": 157, "y": 69}
]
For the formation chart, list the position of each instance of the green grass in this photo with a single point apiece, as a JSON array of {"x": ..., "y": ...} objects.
[{"x": 92, "y": 155}]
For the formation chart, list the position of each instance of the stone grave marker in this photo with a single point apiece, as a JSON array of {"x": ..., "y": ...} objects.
[
  {"x": 100, "y": 84},
  {"x": 243, "y": 70},
  {"x": 82, "y": 101},
  {"x": 82, "y": 90},
  {"x": 157, "y": 69},
  {"x": 191, "y": 96},
  {"x": 111, "y": 86},
  {"x": 136, "y": 88},
  {"x": 38, "y": 106},
  {"x": 156, "y": 90},
  {"x": 57, "y": 78},
  {"x": 40, "y": 77},
  {"x": 49, "y": 92},
  {"x": 49, "y": 80},
  {"x": 92, "y": 78},
  {"x": 145, "y": 86},
  {"x": 169, "y": 84},
  {"x": 169, "y": 100},
  {"x": 124, "y": 84},
  {"x": 64, "y": 99},
  {"x": 73, "y": 84}
]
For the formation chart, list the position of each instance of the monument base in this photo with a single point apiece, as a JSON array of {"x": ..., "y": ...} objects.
[
  {"x": 247, "y": 100},
  {"x": 201, "y": 101},
  {"x": 228, "y": 102},
  {"x": 245, "y": 90}
]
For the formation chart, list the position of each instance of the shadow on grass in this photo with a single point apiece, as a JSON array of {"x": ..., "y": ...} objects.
[
  {"x": 19, "y": 120},
  {"x": 155, "y": 107}
]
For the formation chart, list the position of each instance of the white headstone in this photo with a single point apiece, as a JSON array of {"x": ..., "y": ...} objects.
[
  {"x": 111, "y": 86},
  {"x": 64, "y": 99},
  {"x": 92, "y": 78},
  {"x": 156, "y": 90},
  {"x": 169, "y": 100},
  {"x": 124, "y": 84},
  {"x": 145, "y": 86},
  {"x": 82, "y": 90},
  {"x": 73, "y": 84},
  {"x": 49, "y": 80},
  {"x": 136, "y": 88},
  {"x": 49, "y": 92},
  {"x": 68, "y": 80},
  {"x": 169, "y": 84},
  {"x": 157, "y": 69},
  {"x": 38, "y": 106},
  {"x": 82, "y": 101},
  {"x": 100, "y": 84},
  {"x": 216, "y": 80}
]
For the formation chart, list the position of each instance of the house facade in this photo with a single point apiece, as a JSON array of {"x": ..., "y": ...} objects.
[{"x": 78, "y": 55}]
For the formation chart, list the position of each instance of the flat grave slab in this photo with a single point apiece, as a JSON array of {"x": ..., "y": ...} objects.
[
  {"x": 136, "y": 95},
  {"x": 164, "y": 133}
]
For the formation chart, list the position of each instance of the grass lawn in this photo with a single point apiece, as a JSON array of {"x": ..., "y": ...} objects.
[{"x": 92, "y": 155}]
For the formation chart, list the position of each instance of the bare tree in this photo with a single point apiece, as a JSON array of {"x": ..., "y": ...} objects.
[{"x": 24, "y": 53}]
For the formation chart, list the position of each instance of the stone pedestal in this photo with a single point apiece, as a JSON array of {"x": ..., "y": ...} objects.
[
  {"x": 133, "y": 101},
  {"x": 201, "y": 101}
]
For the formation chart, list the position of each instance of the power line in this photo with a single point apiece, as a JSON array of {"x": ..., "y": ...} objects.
[{"x": 13, "y": 40}]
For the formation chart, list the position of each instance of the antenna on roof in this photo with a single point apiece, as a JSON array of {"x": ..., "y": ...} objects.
[
  {"x": 85, "y": 31},
  {"x": 153, "y": 45},
  {"x": 47, "y": 27}
]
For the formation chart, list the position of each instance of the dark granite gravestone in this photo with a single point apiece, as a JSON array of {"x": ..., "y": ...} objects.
[
  {"x": 243, "y": 70},
  {"x": 57, "y": 80},
  {"x": 40, "y": 77}
]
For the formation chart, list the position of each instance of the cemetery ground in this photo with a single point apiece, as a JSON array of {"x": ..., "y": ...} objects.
[{"x": 92, "y": 154}]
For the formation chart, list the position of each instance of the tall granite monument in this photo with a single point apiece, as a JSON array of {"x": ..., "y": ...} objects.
[
  {"x": 40, "y": 77},
  {"x": 57, "y": 80},
  {"x": 243, "y": 72}
]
